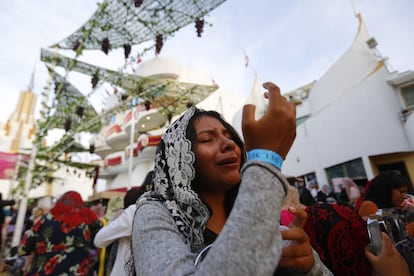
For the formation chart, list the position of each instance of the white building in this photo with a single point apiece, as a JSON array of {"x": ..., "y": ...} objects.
[
  {"x": 113, "y": 143},
  {"x": 356, "y": 120}
]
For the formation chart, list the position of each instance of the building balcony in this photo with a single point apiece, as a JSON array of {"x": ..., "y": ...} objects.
[
  {"x": 407, "y": 117},
  {"x": 405, "y": 113}
]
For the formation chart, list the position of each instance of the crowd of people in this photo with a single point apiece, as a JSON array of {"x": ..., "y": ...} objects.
[{"x": 217, "y": 204}]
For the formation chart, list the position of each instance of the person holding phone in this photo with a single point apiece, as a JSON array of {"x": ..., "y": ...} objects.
[{"x": 389, "y": 261}]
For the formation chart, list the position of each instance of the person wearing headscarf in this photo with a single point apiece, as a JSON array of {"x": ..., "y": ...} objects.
[
  {"x": 386, "y": 190},
  {"x": 352, "y": 190},
  {"x": 313, "y": 187},
  {"x": 61, "y": 239},
  {"x": 211, "y": 211},
  {"x": 326, "y": 194},
  {"x": 389, "y": 261}
]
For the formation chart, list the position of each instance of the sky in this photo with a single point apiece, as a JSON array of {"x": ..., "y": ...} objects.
[{"x": 290, "y": 43}]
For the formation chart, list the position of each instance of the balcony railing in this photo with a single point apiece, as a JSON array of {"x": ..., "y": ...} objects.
[{"x": 405, "y": 113}]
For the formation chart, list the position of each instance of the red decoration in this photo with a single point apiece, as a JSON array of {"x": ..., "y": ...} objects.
[
  {"x": 147, "y": 105},
  {"x": 138, "y": 3},
  {"x": 57, "y": 91},
  {"x": 95, "y": 80},
  {"x": 91, "y": 148},
  {"x": 127, "y": 50},
  {"x": 159, "y": 42},
  {"x": 106, "y": 46},
  {"x": 68, "y": 124},
  {"x": 199, "y": 24},
  {"x": 80, "y": 110},
  {"x": 77, "y": 46}
]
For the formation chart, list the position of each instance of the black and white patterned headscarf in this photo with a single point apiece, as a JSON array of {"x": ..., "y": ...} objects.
[{"x": 173, "y": 173}]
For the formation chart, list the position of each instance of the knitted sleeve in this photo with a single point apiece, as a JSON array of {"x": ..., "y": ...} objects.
[{"x": 249, "y": 244}]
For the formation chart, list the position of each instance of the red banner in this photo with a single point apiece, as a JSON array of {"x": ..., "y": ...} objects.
[{"x": 7, "y": 164}]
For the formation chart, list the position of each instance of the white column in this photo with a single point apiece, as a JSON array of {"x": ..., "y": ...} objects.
[
  {"x": 23, "y": 202},
  {"x": 131, "y": 144}
]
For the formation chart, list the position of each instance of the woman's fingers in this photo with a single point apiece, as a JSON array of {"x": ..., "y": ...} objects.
[
  {"x": 300, "y": 217},
  {"x": 276, "y": 129}
]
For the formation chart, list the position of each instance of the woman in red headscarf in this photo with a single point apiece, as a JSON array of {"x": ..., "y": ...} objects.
[{"x": 61, "y": 239}]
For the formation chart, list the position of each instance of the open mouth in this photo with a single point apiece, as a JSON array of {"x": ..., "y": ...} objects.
[{"x": 229, "y": 161}]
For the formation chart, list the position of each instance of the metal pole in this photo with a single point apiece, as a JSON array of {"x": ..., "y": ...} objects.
[
  {"x": 131, "y": 149},
  {"x": 15, "y": 177},
  {"x": 23, "y": 202}
]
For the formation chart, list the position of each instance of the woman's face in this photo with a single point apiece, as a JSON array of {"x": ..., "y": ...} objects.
[
  {"x": 398, "y": 195},
  {"x": 217, "y": 156}
]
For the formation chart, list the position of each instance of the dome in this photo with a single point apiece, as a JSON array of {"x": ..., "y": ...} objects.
[
  {"x": 171, "y": 68},
  {"x": 162, "y": 67}
]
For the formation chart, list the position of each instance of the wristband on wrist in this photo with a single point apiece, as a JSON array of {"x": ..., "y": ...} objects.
[{"x": 267, "y": 156}]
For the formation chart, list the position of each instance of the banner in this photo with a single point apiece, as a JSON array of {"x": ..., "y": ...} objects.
[{"x": 7, "y": 164}]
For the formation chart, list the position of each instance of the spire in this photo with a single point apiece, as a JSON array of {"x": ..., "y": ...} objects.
[
  {"x": 247, "y": 61},
  {"x": 256, "y": 97},
  {"x": 31, "y": 84},
  {"x": 353, "y": 8}
]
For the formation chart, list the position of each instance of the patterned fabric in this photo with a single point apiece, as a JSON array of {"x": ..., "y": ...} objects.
[
  {"x": 61, "y": 246},
  {"x": 71, "y": 211},
  {"x": 339, "y": 236},
  {"x": 173, "y": 173}
]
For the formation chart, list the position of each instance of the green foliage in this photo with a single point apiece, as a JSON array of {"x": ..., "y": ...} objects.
[{"x": 121, "y": 22}]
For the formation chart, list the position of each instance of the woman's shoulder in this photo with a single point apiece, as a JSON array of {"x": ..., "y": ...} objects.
[
  {"x": 151, "y": 208},
  {"x": 152, "y": 215}
]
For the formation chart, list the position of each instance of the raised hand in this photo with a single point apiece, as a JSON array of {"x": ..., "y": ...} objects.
[{"x": 276, "y": 129}]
